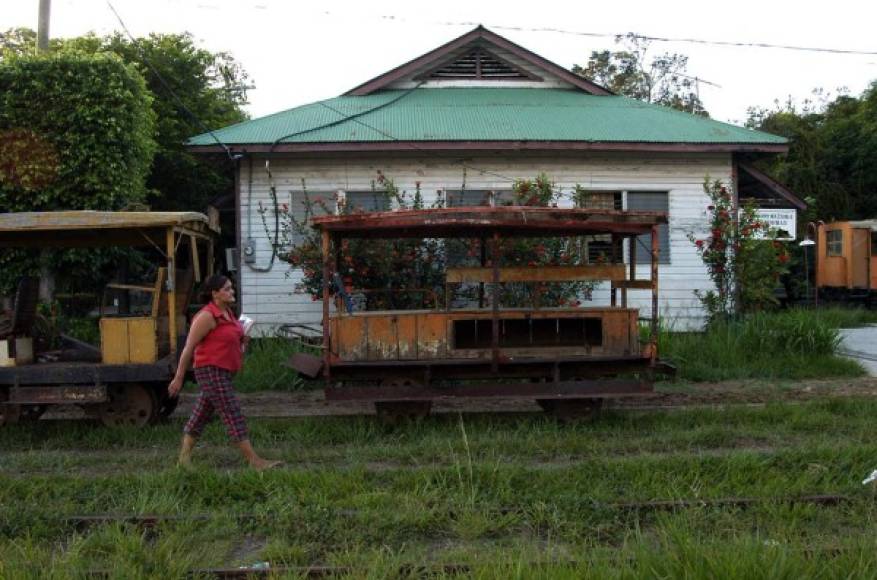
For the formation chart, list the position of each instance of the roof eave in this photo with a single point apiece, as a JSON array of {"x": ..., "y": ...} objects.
[{"x": 435, "y": 146}]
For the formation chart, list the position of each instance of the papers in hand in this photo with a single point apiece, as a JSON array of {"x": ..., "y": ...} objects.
[{"x": 246, "y": 324}]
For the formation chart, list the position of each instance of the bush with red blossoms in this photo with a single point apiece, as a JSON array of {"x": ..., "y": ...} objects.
[
  {"x": 743, "y": 258},
  {"x": 410, "y": 273}
]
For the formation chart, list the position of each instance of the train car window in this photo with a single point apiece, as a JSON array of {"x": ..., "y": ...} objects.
[
  {"x": 873, "y": 244},
  {"x": 834, "y": 242}
]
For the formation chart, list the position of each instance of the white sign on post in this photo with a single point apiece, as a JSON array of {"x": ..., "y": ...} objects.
[{"x": 784, "y": 221}]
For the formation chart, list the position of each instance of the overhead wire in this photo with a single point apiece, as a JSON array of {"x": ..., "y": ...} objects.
[{"x": 171, "y": 92}]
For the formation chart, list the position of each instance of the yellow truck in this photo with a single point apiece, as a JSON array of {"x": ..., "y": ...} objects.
[{"x": 123, "y": 380}]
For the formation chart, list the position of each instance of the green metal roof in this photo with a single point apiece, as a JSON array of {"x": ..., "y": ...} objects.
[{"x": 483, "y": 114}]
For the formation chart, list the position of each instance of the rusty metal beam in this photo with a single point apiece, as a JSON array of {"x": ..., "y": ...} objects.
[
  {"x": 58, "y": 395},
  {"x": 608, "y": 388}
]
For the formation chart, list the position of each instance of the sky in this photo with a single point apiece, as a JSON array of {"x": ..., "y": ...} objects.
[{"x": 300, "y": 52}]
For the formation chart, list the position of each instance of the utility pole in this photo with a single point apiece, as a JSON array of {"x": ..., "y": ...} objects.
[
  {"x": 43, "y": 26},
  {"x": 47, "y": 276}
]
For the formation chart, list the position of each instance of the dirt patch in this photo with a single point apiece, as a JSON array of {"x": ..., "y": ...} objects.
[{"x": 313, "y": 403}]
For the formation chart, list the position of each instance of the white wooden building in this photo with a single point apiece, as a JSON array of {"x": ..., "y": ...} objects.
[{"x": 473, "y": 116}]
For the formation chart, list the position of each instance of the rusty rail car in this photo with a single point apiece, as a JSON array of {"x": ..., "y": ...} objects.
[
  {"x": 568, "y": 359},
  {"x": 122, "y": 381},
  {"x": 846, "y": 260}
]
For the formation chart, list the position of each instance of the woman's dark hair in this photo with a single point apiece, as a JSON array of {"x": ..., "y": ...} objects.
[{"x": 210, "y": 285}]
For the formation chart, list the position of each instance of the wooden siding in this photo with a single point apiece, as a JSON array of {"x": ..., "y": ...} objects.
[{"x": 270, "y": 299}]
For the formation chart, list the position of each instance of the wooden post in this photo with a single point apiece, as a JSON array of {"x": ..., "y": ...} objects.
[
  {"x": 209, "y": 271},
  {"x": 494, "y": 339},
  {"x": 196, "y": 260},
  {"x": 327, "y": 275},
  {"x": 171, "y": 292}
]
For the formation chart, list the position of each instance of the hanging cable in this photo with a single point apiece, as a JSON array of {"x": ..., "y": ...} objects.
[{"x": 164, "y": 83}]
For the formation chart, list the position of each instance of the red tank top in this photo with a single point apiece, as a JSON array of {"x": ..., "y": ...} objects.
[{"x": 222, "y": 345}]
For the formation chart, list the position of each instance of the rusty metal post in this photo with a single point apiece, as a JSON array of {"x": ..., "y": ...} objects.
[
  {"x": 171, "y": 292},
  {"x": 483, "y": 251},
  {"x": 494, "y": 339},
  {"x": 655, "y": 253},
  {"x": 327, "y": 275}
]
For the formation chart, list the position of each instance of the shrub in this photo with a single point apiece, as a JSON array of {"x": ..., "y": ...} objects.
[{"x": 742, "y": 256}]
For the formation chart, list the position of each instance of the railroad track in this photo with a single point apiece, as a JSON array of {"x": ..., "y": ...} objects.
[{"x": 83, "y": 522}]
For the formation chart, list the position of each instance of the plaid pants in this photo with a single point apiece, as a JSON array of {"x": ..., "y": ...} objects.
[{"x": 217, "y": 395}]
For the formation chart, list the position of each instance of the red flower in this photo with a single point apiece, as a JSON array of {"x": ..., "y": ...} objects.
[
  {"x": 699, "y": 243},
  {"x": 783, "y": 258}
]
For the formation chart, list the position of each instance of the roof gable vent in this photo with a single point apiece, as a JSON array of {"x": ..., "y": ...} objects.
[{"x": 480, "y": 64}]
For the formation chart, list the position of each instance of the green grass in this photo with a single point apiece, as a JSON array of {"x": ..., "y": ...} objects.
[
  {"x": 265, "y": 369},
  {"x": 512, "y": 496},
  {"x": 791, "y": 344}
]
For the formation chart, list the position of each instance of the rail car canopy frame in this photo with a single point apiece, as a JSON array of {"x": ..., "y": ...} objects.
[{"x": 491, "y": 224}]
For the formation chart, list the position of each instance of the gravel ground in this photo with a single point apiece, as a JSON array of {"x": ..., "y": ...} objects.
[{"x": 860, "y": 344}]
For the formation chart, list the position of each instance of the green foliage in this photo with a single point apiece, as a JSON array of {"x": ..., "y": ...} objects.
[
  {"x": 265, "y": 367},
  {"x": 507, "y": 496},
  {"x": 77, "y": 132},
  {"x": 627, "y": 72},
  {"x": 742, "y": 256},
  {"x": 210, "y": 88},
  {"x": 792, "y": 344},
  {"x": 833, "y": 144}
]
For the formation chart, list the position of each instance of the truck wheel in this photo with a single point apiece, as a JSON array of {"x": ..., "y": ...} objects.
[{"x": 133, "y": 404}]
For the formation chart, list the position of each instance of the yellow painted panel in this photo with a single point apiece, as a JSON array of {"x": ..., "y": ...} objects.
[
  {"x": 381, "y": 337},
  {"x": 114, "y": 340},
  {"x": 351, "y": 337},
  {"x": 432, "y": 336},
  {"x": 406, "y": 330},
  {"x": 142, "y": 346}
]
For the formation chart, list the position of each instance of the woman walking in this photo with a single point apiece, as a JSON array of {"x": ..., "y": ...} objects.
[{"x": 217, "y": 342}]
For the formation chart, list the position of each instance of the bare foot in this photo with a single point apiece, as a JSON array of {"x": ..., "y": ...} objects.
[
  {"x": 185, "y": 461},
  {"x": 264, "y": 464}
]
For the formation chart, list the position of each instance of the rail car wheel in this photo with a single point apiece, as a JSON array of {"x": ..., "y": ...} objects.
[
  {"x": 393, "y": 412},
  {"x": 132, "y": 404},
  {"x": 570, "y": 410},
  {"x": 29, "y": 413}
]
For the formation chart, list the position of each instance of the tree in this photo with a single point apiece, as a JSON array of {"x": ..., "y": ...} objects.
[
  {"x": 662, "y": 80},
  {"x": 75, "y": 133},
  {"x": 193, "y": 90},
  {"x": 833, "y": 145}
]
